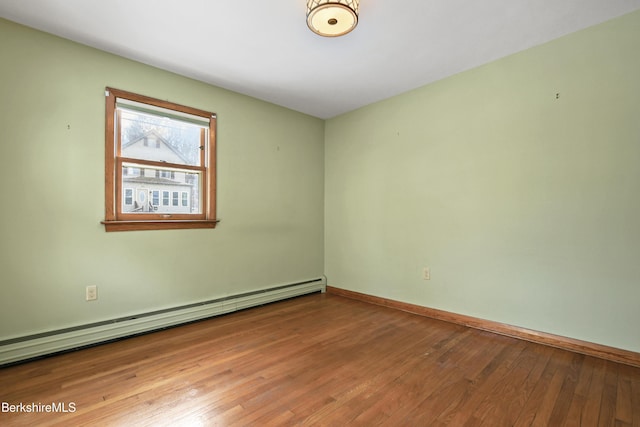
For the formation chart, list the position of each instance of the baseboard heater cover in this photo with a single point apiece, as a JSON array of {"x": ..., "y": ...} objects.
[{"x": 29, "y": 347}]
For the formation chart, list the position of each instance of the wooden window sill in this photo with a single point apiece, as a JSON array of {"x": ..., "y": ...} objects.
[{"x": 158, "y": 224}]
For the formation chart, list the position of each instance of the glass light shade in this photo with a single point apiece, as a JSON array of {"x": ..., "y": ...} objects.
[{"x": 332, "y": 18}]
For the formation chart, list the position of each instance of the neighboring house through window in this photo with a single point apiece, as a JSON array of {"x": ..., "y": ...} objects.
[
  {"x": 160, "y": 164},
  {"x": 128, "y": 196}
]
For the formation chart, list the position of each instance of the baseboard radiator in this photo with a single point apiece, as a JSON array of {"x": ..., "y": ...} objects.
[{"x": 33, "y": 346}]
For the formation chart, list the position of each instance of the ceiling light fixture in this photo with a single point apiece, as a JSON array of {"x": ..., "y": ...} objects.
[{"x": 332, "y": 18}]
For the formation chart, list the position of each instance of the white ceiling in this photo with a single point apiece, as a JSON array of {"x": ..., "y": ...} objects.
[{"x": 264, "y": 49}]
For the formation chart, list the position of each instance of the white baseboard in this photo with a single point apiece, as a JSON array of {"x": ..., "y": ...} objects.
[{"x": 29, "y": 347}]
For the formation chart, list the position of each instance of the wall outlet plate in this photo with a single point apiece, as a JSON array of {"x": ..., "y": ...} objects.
[{"x": 91, "y": 293}]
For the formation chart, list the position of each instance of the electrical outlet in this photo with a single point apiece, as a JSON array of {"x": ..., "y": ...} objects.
[
  {"x": 426, "y": 273},
  {"x": 91, "y": 293}
]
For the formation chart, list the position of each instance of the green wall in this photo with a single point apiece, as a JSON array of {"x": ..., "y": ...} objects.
[
  {"x": 270, "y": 193},
  {"x": 525, "y": 206}
]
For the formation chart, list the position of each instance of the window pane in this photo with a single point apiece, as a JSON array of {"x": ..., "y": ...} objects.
[
  {"x": 128, "y": 196},
  {"x": 150, "y": 137},
  {"x": 195, "y": 197},
  {"x": 155, "y": 190}
]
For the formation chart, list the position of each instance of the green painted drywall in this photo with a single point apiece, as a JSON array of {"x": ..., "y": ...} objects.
[
  {"x": 524, "y": 204},
  {"x": 270, "y": 193}
]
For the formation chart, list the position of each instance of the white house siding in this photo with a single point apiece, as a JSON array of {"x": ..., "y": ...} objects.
[{"x": 139, "y": 184}]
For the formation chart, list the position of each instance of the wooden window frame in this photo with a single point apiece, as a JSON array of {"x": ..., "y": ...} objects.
[{"x": 115, "y": 219}]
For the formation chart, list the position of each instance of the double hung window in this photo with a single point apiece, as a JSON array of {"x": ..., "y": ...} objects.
[{"x": 159, "y": 164}]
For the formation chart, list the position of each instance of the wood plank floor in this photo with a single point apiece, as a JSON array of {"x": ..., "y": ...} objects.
[{"x": 323, "y": 360}]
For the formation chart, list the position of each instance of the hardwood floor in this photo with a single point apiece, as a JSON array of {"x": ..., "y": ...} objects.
[{"x": 323, "y": 360}]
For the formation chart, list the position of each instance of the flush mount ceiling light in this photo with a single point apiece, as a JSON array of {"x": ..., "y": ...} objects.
[{"x": 332, "y": 18}]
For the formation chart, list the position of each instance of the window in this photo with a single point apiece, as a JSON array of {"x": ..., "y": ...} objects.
[
  {"x": 128, "y": 196},
  {"x": 131, "y": 171},
  {"x": 165, "y": 174},
  {"x": 157, "y": 148}
]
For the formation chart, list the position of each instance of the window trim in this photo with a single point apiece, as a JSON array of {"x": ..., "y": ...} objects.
[{"x": 113, "y": 163}]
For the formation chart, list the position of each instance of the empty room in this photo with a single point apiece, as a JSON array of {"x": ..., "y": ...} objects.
[{"x": 313, "y": 212}]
